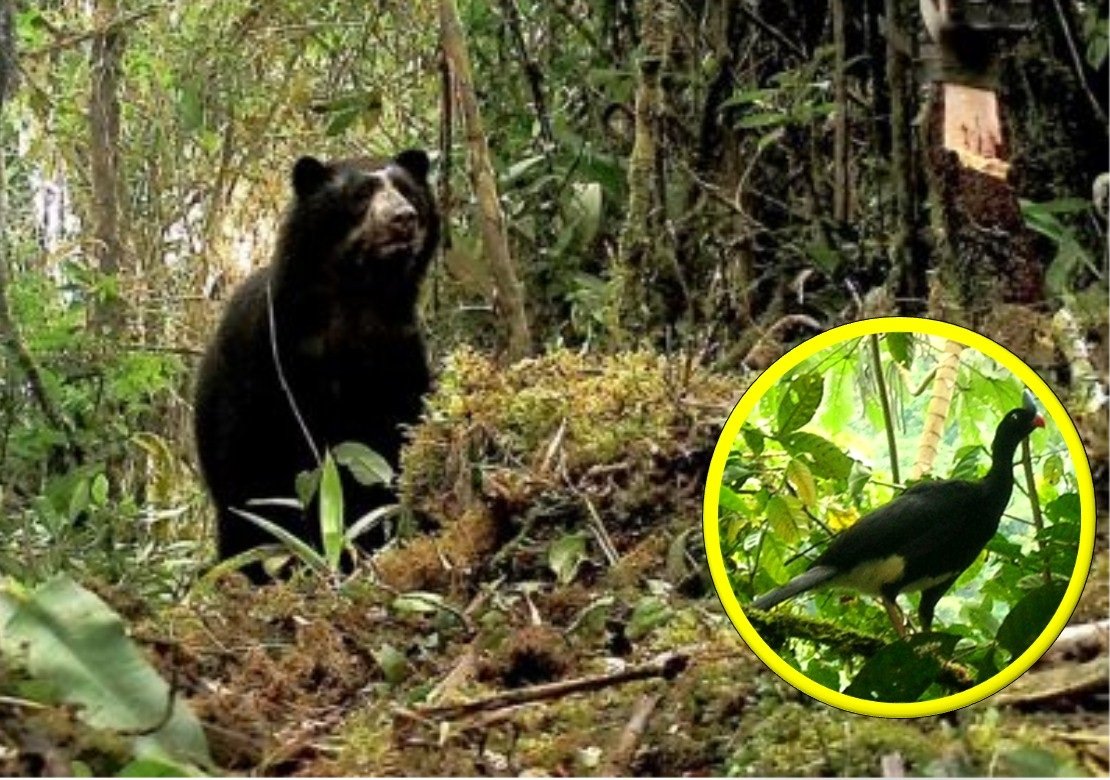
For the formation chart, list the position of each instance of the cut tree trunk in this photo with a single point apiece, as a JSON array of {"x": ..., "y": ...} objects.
[{"x": 986, "y": 255}]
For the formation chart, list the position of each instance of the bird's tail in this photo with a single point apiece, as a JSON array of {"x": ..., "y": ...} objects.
[{"x": 803, "y": 582}]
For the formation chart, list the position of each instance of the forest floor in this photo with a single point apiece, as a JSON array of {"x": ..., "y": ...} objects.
[
  {"x": 526, "y": 650},
  {"x": 561, "y": 619}
]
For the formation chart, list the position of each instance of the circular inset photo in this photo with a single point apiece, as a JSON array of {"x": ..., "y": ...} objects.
[{"x": 899, "y": 517}]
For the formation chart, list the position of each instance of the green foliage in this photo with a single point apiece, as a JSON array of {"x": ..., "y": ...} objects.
[
  {"x": 1072, "y": 260},
  {"x": 70, "y": 640},
  {"x": 812, "y": 459},
  {"x": 367, "y": 467}
]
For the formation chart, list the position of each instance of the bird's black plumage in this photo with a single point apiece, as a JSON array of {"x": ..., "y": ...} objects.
[{"x": 925, "y": 538}]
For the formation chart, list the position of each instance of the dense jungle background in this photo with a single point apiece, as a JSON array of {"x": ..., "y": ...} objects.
[{"x": 644, "y": 204}]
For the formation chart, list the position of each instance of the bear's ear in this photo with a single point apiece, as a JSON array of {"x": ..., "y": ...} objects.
[
  {"x": 309, "y": 174},
  {"x": 415, "y": 161}
]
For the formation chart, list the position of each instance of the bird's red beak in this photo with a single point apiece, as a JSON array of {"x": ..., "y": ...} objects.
[{"x": 1038, "y": 421}]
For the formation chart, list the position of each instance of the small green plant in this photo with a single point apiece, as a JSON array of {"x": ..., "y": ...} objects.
[{"x": 367, "y": 467}]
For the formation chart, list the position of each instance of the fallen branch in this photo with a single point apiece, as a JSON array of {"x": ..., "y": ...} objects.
[
  {"x": 667, "y": 666},
  {"x": 1059, "y": 683},
  {"x": 620, "y": 762}
]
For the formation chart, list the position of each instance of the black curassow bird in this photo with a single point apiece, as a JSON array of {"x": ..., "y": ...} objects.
[{"x": 923, "y": 539}]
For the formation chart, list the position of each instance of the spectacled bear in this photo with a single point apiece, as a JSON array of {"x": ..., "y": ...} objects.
[{"x": 353, "y": 248}]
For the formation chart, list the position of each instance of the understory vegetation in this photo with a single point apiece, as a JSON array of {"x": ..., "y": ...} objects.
[{"x": 660, "y": 199}]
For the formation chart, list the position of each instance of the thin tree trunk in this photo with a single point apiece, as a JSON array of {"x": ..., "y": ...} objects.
[
  {"x": 104, "y": 138},
  {"x": 9, "y": 335},
  {"x": 840, "y": 129},
  {"x": 510, "y": 297},
  {"x": 636, "y": 263},
  {"x": 944, "y": 387},
  {"x": 901, "y": 153}
]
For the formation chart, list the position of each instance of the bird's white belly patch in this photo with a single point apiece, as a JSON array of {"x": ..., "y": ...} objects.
[{"x": 871, "y": 576}]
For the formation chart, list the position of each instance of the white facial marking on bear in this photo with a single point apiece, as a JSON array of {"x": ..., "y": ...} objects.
[{"x": 391, "y": 224}]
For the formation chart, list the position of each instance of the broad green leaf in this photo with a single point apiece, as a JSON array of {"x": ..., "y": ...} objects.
[
  {"x": 650, "y": 612},
  {"x": 899, "y": 346},
  {"x": 1065, "y": 508},
  {"x": 751, "y": 121},
  {"x": 331, "y": 512},
  {"x": 1053, "y": 468},
  {"x": 565, "y": 555},
  {"x": 308, "y": 482},
  {"x": 366, "y": 466},
  {"x": 903, "y": 670},
  {"x": 858, "y": 477},
  {"x": 730, "y": 501},
  {"x": 392, "y": 662},
  {"x": 785, "y": 516},
  {"x": 66, "y": 636},
  {"x": 799, "y": 402},
  {"x": 754, "y": 439},
  {"x": 98, "y": 492},
  {"x": 1034, "y": 761},
  {"x": 801, "y": 479},
  {"x": 585, "y": 209},
  {"x": 825, "y": 459},
  {"x": 1029, "y": 617},
  {"x": 418, "y": 602}
]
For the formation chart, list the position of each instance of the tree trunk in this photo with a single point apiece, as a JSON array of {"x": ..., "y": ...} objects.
[
  {"x": 986, "y": 254},
  {"x": 637, "y": 273},
  {"x": 104, "y": 138},
  {"x": 9, "y": 335},
  {"x": 908, "y": 277},
  {"x": 509, "y": 295}
]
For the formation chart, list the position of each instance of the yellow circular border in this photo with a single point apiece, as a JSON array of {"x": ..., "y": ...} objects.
[{"x": 1055, "y": 411}]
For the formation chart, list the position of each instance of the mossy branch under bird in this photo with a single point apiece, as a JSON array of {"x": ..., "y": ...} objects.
[{"x": 923, "y": 539}]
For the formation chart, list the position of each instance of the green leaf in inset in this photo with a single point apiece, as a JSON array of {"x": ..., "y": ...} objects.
[
  {"x": 1065, "y": 508},
  {"x": 1053, "y": 468},
  {"x": 785, "y": 515},
  {"x": 1029, "y": 617},
  {"x": 799, "y": 402},
  {"x": 825, "y": 458},
  {"x": 754, "y": 439},
  {"x": 801, "y": 479},
  {"x": 899, "y": 345},
  {"x": 730, "y": 501},
  {"x": 903, "y": 670}
]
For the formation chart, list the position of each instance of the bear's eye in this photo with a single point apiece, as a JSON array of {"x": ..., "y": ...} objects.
[{"x": 364, "y": 190}]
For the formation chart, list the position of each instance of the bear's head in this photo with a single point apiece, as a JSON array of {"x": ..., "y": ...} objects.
[{"x": 364, "y": 224}]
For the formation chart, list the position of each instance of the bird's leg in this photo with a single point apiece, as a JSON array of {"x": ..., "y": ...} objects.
[
  {"x": 929, "y": 599},
  {"x": 897, "y": 619}
]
